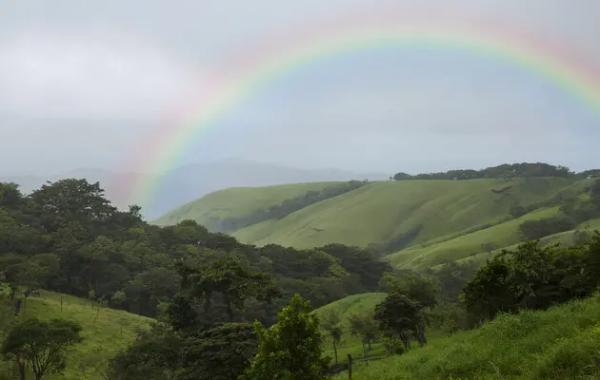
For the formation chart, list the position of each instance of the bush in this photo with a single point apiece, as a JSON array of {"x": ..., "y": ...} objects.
[
  {"x": 392, "y": 345},
  {"x": 536, "y": 229}
]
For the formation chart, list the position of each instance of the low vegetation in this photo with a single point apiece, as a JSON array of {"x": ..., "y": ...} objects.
[{"x": 560, "y": 343}]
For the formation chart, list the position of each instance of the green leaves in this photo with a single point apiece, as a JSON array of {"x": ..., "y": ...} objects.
[
  {"x": 290, "y": 349},
  {"x": 42, "y": 344}
]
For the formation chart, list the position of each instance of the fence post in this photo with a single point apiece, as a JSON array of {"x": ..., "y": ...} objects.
[{"x": 349, "y": 367}]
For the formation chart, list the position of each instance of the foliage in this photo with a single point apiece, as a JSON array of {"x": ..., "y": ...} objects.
[
  {"x": 217, "y": 290},
  {"x": 218, "y": 353},
  {"x": 501, "y": 171},
  {"x": 67, "y": 237},
  {"x": 401, "y": 317},
  {"x": 290, "y": 349},
  {"x": 331, "y": 324},
  {"x": 536, "y": 229},
  {"x": 413, "y": 285},
  {"x": 42, "y": 344},
  {"x": 555, "y": 344},
  {"x": 365, "y": 327},
  {"x": 533, "y": 277}
]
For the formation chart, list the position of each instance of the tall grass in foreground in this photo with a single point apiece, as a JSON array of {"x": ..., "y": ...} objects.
[{"x": 560, "y": 343}]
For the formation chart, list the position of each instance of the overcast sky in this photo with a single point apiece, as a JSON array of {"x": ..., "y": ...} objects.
[{"x": 84, "y": 83}]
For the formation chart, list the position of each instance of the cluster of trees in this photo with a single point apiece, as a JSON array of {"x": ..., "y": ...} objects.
[
  {"x": 573, "y": 211},
  {"x": 289, "y": 349},
  {"x": 287, "y": 207},
  {"x": 67, "y": 237},
  {"x": 534, "y": 277},
  {"x": 502, "y": 171}
]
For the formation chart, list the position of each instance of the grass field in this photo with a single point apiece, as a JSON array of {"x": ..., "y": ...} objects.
[
  {"x": 557, "y": 344},
  {"x": 105, "y": 332},
  {"x": 479, "y": 242},
  {"x": 374, "y": 213},
  {"x": 566, "y": 239},
  {"x": 384, "y": 211}
]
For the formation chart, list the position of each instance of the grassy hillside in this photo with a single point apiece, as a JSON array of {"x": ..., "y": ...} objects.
[
  {"x": 354, "y": 304},
  {"x": 481, "y": 241},
  {"x": 105, "y": 332},
  {"x": 237, "y": 202},
  {"x": 567, "y": 238},
  {"x": 405, "y": 212},
  {"x": 560, "y": 343},
  {"x": 345, "y": 308}
]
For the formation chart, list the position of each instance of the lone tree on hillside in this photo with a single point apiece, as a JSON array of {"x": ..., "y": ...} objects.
[
  {"x": 401, "y": 316},
  {"x": 41, "y": 344},
  {"x": 331, "y": 324},
  {"x": 290, "y": 349},
  {"x": 365, "y": 327}
]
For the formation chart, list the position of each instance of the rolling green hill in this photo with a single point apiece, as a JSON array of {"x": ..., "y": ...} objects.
[
  {"x": 560, "y": 343},
  {"x": 485, "y": 240},
  {"x": 105, "y": 332},
  {"x": 354, "y": 304},
  {"x": 397, "y": 213},
  {"x": 237, "y": 202}
]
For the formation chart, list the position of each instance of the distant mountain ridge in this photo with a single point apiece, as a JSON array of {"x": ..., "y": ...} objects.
[{"x": 190, "y": 182}]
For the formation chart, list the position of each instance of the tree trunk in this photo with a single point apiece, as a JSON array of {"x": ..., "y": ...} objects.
[
  {"x": 335, "y": 352},
  {"x": 349, "y": 367},
  {"x": 405, "y": 341},
  {"x": 21, "y": 366},
  {"x": 421, "y": 334}
]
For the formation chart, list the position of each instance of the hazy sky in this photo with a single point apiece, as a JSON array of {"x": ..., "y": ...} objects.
[{"x": 85, "y": 83}]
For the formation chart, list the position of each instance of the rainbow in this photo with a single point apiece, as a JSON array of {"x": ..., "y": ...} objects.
[{"x": 254, "y": 74}]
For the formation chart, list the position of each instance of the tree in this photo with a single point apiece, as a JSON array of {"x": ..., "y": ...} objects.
[
  {"x": 400, "y": 316},
  {"x": 331, "y": 324},
  {"x": 230, "y": 279},
  {"x": 365, "y": 327},
  {"x": 180, "y": 314},
  {"x": 411, "y": 284},
  {"x": 222, "y": 352},
  {"x": 489, "y": 292},
  {"x": 290, "y": 349},
  {"x": 42, "y": 344},
  {"x": 72, "y": 200},
  {"x": 531, "y": 277}
]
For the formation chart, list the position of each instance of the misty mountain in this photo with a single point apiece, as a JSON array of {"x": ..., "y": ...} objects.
[{"x": 190, "y": 182}]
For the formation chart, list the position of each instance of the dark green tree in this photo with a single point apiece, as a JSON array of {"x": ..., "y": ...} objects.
[
  {"x": 72, "y": 200},
  {"x": 290, "y": 349},
  {"x": 42, "y": 344},
  {"x": 220, "y": 353},
  {"x": 401, "y": 316},
  {"x": 229, "y": 279}
]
